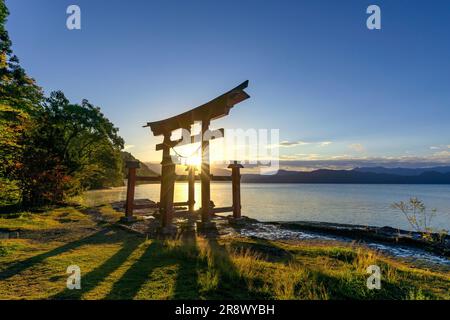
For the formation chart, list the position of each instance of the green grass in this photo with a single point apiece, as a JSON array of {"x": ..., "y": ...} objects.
[{"x": 116, "y": 264}]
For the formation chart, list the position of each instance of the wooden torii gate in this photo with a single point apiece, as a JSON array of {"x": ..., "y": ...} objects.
[{"x": 214, "y": 109}]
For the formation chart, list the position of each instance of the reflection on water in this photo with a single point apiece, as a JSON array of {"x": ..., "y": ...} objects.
[
  {"x": 349, "y": 203},
  {"x": 150, "y": 191}
]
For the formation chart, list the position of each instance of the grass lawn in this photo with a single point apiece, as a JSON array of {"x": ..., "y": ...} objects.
[{"x": 116, "y": 264}]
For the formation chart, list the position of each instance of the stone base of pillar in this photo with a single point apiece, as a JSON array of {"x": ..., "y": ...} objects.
[
  {"x": 237, "y": 221},
  {"x": 206, "y": 225},
  {"x": 128, "y": 219},
  {"x": 170, "y": 230}
]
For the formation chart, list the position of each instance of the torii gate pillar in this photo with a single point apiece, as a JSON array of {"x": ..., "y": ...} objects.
[
  {"x": 168, "y": 178},
  {"x": 191, "y": 187},
  {"x": 236, "y": 180},
  {"x": 205, "y": 175}
]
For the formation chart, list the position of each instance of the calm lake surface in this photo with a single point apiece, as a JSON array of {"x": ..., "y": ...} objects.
[{"x": 340, "y": 203}]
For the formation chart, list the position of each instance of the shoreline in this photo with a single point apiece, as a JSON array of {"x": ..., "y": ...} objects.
[
  {"x": 384, "y": 234},
  {"x": 395, "y": 241},
  {"x": 377, "y": 238}
]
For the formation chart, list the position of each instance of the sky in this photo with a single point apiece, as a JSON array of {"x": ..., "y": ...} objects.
[{"x": 340, "y": 94}]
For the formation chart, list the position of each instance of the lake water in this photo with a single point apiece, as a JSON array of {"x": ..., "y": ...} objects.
[{"x": 340, "y": 203}]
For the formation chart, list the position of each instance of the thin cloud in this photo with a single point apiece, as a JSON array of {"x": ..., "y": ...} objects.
[
  {"x": 288, "y": 144},
  {"x": 358, "y": 147},
  {"x": 310, "y": 156},
  {"x": 288, "y": 157},
  {"x": 348, "y": 161},
  {"x": 442, "y": 154}
]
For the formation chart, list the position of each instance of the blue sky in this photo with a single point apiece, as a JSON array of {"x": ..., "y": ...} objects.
[{"x": 336, "y": 90}]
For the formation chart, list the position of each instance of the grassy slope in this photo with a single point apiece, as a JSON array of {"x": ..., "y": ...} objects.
[{"x": 119, "y": 265}]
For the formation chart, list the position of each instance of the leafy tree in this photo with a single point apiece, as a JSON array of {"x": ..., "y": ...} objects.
[
  {"x": 17, "y": 89},
  {"x": 49, "y": 148},
  {"x": 20, "y": 97},
  {"x": 12, "y": 125},
  {"x": 73, "y": 147}
]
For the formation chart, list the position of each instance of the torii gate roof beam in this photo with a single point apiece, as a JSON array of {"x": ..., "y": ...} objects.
[{"x": 214, "y": 109}]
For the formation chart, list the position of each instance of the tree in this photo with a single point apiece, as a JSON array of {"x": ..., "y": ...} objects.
[
  {"x": 17, "y": 89},
  {"x": 49, "y": 148},
  {"x": 20, "y": 98},
  {"x": 74, "y": 147}
]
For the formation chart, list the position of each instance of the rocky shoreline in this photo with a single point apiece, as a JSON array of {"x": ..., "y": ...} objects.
[{"x": 372, "y": 233}]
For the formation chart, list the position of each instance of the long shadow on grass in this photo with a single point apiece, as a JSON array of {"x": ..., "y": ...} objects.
[
  {"x": 264, "y": 249},
  {"x": 232, "y": 285},
  {"x": 186, "y": 283},
  {"x": 134, "y": 278},
  {"x": 96, "y": 276},
  {"x": 158, "y": 255},
  {"x": 16, "y": 268}
]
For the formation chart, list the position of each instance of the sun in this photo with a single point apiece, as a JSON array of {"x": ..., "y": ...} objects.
[
  {"x": 195, "y": 160},
  {"x": 190, "y": 154}
]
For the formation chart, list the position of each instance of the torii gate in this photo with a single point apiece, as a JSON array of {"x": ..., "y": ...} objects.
[{"x": 214, "y": 109}]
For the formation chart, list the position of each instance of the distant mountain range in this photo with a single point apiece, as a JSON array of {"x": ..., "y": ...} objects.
[
  {"x": 372, "y": 175},
  {"x": 363, "y": 175},
  {"x": 403, "y": 171}
]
